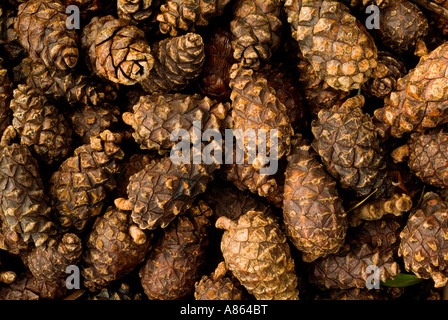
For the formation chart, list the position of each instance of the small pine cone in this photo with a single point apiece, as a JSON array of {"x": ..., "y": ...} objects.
[
  {"x": 317, "y": 93},
  {"x": 40, "y": 125},
  {"x": 385, "y": 80},
  {"x": 42, "y": 31},
  {"x": 337, "y": 45},
  {"x": 24, "y": 208},
  {"x": 50, "y": 261},
  {"x": 11, "y": 48},
  {"x": 402, "y": 25},
  {"x": 419, "y": 102},
  {"x": 350, "y": 269},
  {"x": 382, "y": 233},
  {"x": 156, "y": 117},
  {"x": 215, "y": 76},
  {"x": 137, "y": 162},
  {"x": 114, "y": 248},
  {"x": 163, "y": 190},
  {"x": 256, "y": 29},
  {"x": 5, "y": 97},
  {"x": 396, "y": 205},
  {"x": 423, "y": 240},
  {"x": 258, "y": 254},
  {"x": 218, "y": 286},
  {"x": 313, "y": 213},
  {"x": 90, "y": 121},
  {"x": 178, "y": 62},
  {"x": 136, "y": 11},
  {"x": 347, "y": 142},
  {"x": 426, "y": 156},
  {"x": 63, "y": 85},
  {"x": 79, "y": 187},
  {"x": 116, "y": 51},
  {"x": 177, "y": 15},
  {"x": 256, "y": 107},
  {"x": 174, "y": 265}
]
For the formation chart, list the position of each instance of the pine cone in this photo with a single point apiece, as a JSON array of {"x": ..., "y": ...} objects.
[
  {"x": 90, "y": 121},
  {"x": 349, "y": 269},
  {"x": 338, "y": 46},
  {"x": 136, "y": 11},
  {"x": 257, "y": 253},
  {"x": 50, "y": 261},
  {"x": 114, "y": 248},
  {"x": 5, "y": 97},
  {"x": 157, "y": 117},
  {"x": 256, "y": 107},
  {"x": 256, "y": 29},
  {"x": 177, "y": 15},
  {"x": 313, "y": 214},
  {"x": 174, "y": 265},
  {"x": 423, "y": 241},
  {"x": 178, "y": 62},
  {"x": 63, "y": 85},
  {"x": 382, "y": 233},
  {"x": 215, "y": 77},
  {"x": 162, "y": 190},
  {"x": 87, "y": 8},
  {"x": 24, "y": 210},
  {"x": 116, "y": 51},
  {"x": 218, "y": 286},
  {"x": 114, "y": 292},
  {"x": 135, "y": 163},
  {"x": 419, "y": 102},
  {"x": 79, "y": 187},
  {"x": 42, "y": 31},
  {"x": 346, "y": 140},
  {"x": 13, "y": 242},
  {"x": 40, "y": 125}
]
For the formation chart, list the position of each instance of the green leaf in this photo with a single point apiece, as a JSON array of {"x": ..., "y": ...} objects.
[{"x": 402, "y": 280}]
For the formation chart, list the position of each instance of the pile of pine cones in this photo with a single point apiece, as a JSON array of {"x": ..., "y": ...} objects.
[{"x": 88, "y": 186}]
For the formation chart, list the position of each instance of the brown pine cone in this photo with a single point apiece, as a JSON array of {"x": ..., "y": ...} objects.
[
  {"x": 162, "y": 190},
  {"x": 40, "y": 125},
  {"x": 13, "y": 242},
  {"x": 157, "y": 117},
  {"x": 5, "y": 97},
  {"x": 256, "y": 29},
  {"x": 174, "y": 265},
  {"x": 116, "y": 51},
  {"x": 258, "y": 254},
  {"x": 382, "y": 233},
  {"x": 42, "y": 31},
  {"x": 337, "y": 45},
  {"x": 178, "y": 62},
  {"x": 423, "y": 245},
  {"x": 114, "y": 248},
  {"x": 218, "y": 286},
  {"x": 79, "y": 187},
  {"x": 87, "y": 8},
  {"x": 419, "y": 102},
  {"x": 177, "y": 15},
  {"x": 136, "y": 11},
  {"x": 123, "y": 291},
  {"x": 24, "y": 209},
  {"x": 313, "y": 213},
  {"x": 347, "y": 142},
  {"x": 48, "y": 262}
]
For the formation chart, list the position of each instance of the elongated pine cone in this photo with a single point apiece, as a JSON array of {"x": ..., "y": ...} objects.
[
  {"x": 116, "y": 50},
  {"x": 175, "y": 264},
  {"x": 156, "y": 117},
  {"x": 24, "y": 209},
  {"x": 313, "y": 214},
  {"x": 42, "y": 31},
  {"x": 114, "y": 247},
  {"x": 256, "y": 29},
  {"x": 163, "y": 190},
  {"x": 40, "y": 125},
  {"x": 337, "y": 45},
  {"x": 135, "y": 11},
  {"x": 183, "y": 15},
  {"x": 424, "y": 245},
  {"x": 5, "y": 97},
  {"x": 79, "y": 187},
  {"x": 258, "y": 254},
  {"x": 178, "y": 61},
  {"x": 49, "y": 261},
  {"x": 419, "y": 102},
  {"x": 256, "y": 107},
  {"x": 347, "y": 142},
  {"x": 351, "y": 269},
  {"x": 218, "y": 286}
]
